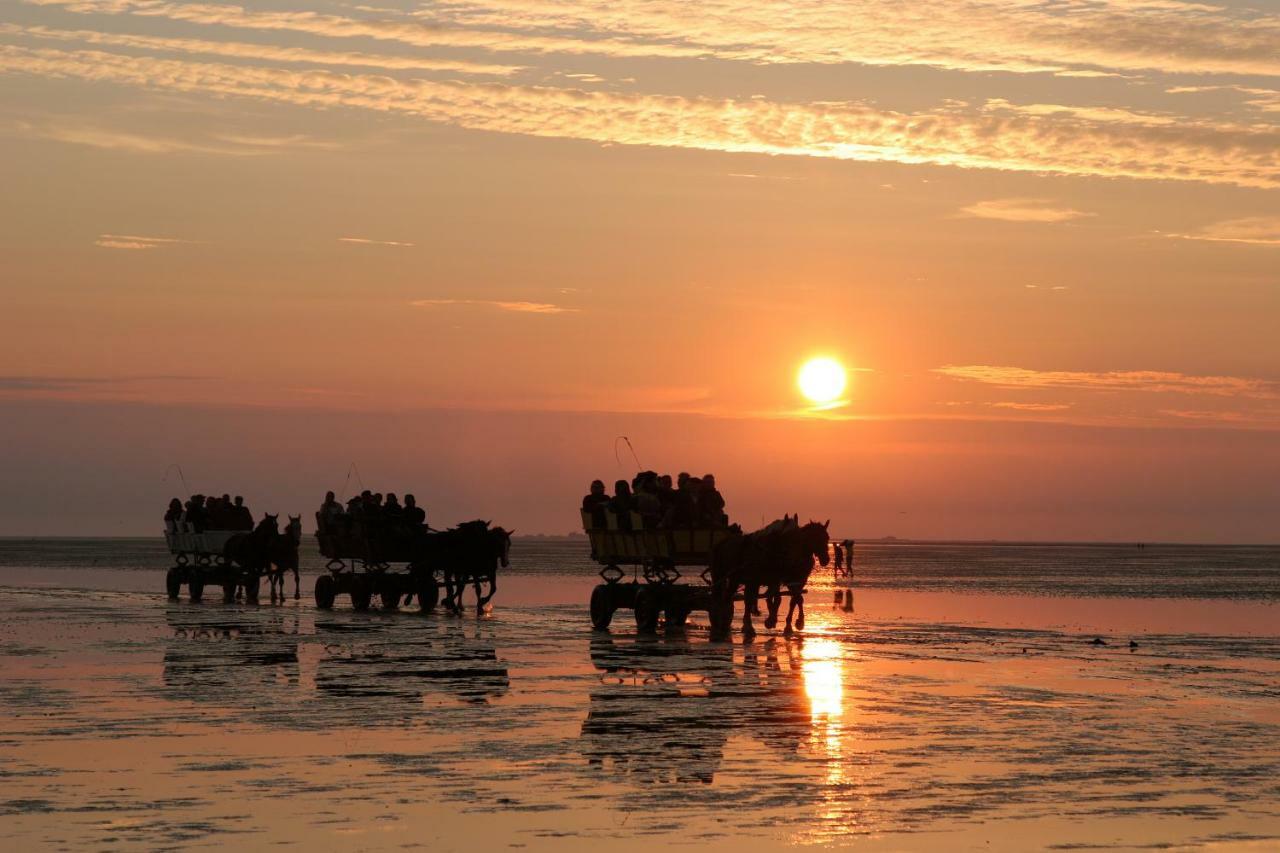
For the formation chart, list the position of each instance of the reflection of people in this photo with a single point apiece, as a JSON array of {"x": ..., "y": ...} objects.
[
  {"x": 372, "y": 665},
  {"x": 675, "y": 692}
]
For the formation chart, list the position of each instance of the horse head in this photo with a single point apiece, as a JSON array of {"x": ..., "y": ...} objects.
[
  {"x": 502, "y": 541},
  {"x": 294, "y": 529},
  {"x": 270, "y": 524},
  {"x": 815, "y": 538}
]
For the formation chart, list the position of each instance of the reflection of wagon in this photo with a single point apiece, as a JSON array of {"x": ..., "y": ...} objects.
[
  {"x": 363, "y": 562},
  {"x": 199, "y": 561},
  {"x": 659, "y": 556}
]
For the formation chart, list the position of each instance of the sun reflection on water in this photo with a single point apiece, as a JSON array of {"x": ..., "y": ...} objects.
[
  {"x": 823, "y": 671},
  {"x": 823, "y": 678}
]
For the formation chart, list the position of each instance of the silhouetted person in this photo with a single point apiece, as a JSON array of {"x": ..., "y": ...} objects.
[
  {"x": 595, "y": 502},
  {"x": 414, "y": 515},
  {"x": 392, "y": 509},
  {"x": 647, "y": 502},
  {"x": 331, "y": 512},
  {"x": 243, "y": 517},
  {"x": 711, "y": 503},
  {"x": 174, "y": 512},
  {"x": 839, "y": 558},
  {"x": 622, "y": 503}
]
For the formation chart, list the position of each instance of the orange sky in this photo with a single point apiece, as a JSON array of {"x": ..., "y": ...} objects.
[{"x": 1045, "y": 238}]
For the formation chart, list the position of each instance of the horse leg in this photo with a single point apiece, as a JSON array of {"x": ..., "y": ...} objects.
[
  {"x": 492, "y": 578},
  {"x": 773, "y": 599},
  {"x": 797, "y": 597},
  {"x": 297, "y": 584}
]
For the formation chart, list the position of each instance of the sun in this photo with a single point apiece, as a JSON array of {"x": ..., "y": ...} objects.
[{"x": 822, "y": 380}]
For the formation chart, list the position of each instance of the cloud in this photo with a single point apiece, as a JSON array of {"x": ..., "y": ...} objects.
[
  {"x": 1023, "y": 210},
  {"x": 1116, "y": 380},
  {"x": 366, "y": 242},
  {"x": 1031, "y": 407},
  {"x": 133, "y": 241},
  {"x": 271, "y": 53},
  {"x": 36, "y": 383},
  {"x": 227, "y": 144},
  {"x": 1000, "y": 139},
  {"x": 518, "y": 307},
  {"x": 1076, "y": 37},
  {"x": 1253, "y": 230}
]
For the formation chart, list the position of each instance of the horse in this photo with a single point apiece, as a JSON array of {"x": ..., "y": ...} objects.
[
  {"x": 809, "y": 542},
  {"x": 251, "y": 551},
  {"x": 472, "y": 551},
  {"x": 282, "y": 556},
  {"x": 780, "y": 553}
]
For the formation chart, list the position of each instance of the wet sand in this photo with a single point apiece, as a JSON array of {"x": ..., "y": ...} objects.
[{"x": 900, "y": 721}]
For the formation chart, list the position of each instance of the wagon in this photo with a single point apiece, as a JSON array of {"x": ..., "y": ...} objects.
[
  {"x": 199, "y": 562},
  {"x": 368, "y": 561},
  {"x": 654, "y": 591}
]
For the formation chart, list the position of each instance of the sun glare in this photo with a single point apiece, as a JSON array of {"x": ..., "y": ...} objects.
[{"x": 822, "y": 380}]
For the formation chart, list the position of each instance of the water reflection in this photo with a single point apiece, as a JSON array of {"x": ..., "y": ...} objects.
[
  {"x": 219, "y": 654},
  {"x": 365, "y": 661},
  {"x": 664, "y": 710}
]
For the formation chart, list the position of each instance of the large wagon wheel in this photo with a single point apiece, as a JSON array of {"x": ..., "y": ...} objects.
[
  {"x": 325, "y": 592},
  {"x": 173, "y": 584},
  {"x": 428, "y": 592},
  {"x": 602, "y": 607},
  {"x": 196, "y": 588},
  {"x": 647, "y": 610},
  {"x": 361, "y": 593}
]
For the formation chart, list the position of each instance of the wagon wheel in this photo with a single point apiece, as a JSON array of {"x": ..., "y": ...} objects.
[
  {"x": 647, "y": 610},
  {"x": 390, "y": 599},
  {"x": 252, "y": 585},
  {"x": 173, "y": 584},
  {"x": 361, "y": 594},
  {"x": 602, "y": 607},
  {"x": 324, "y": 592},
  {"x": 428, "y": 592},
  {"x": 196, "y": 588}
]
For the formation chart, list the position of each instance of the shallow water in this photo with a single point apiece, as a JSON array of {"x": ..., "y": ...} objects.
[{"x": 903, "y": 719}]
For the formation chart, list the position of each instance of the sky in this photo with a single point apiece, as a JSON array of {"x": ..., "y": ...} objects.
[{"x": 467, "y": 245}]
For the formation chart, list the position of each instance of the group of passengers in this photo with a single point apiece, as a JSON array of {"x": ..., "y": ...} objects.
[
  {"x": 689, "y": 502},
  {"x": 210, "y": 513},
  {"x": 371, "y": 511}
]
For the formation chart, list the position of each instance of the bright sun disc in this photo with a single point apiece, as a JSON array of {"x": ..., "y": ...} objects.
[{"x": 822, "y": 380}]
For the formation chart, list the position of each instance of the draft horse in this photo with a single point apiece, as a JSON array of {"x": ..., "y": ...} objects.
[
  {"x": 780, "y": 554},
  {"x": 472, "y": 553}
]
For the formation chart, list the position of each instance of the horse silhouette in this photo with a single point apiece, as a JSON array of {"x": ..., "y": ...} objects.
[
  {"x": 780, "y": 554},
  {"x": 282, "y": 556}
]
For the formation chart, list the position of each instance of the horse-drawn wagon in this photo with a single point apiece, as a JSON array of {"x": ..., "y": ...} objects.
[
  {"x": 657, "y": 557},
  {"x": 233, "y": 560},
  {"x": 368, "y": 561},
  {"x": 777, "y": 558},
  {"x": 370, "y": 558}
]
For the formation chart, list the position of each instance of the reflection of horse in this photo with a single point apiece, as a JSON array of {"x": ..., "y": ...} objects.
[
  {"x": 470, "y": 552},
  {"x": 778, "y": 555},
  {"x": 665, "y": 709},
  {"x": 282, "y": 556},
  {"x": 365, "y": 664}
]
